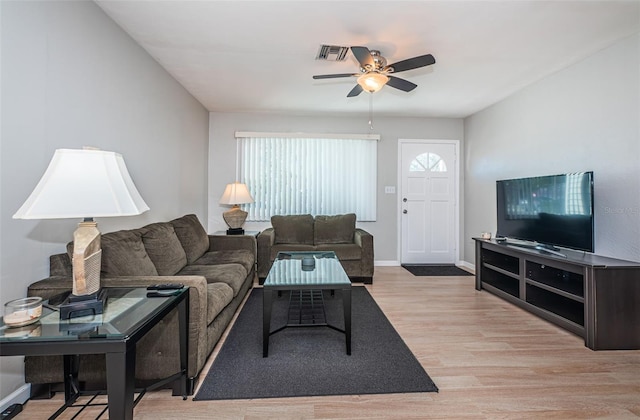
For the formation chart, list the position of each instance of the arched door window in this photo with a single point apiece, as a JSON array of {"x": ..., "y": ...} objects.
[{"x": 428, "y": 162}]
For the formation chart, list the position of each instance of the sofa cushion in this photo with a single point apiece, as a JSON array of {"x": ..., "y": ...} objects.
[
  {"x": 233, "y": 275},
  {"x": 124, "y": 254},
  {"x": 293, "y": 229},
  {"x": 334, "y": 229},
  {"x": 344, "y": 252},
  {"x": 164, "y": 248},
  {"x": 192, "y": 236},
  {"x": 243, "y": 257},
  {"x": 219, "y": 295}
]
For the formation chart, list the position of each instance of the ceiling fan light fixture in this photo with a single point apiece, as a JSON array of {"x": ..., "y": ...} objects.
[{"x": 372, "y": 81}]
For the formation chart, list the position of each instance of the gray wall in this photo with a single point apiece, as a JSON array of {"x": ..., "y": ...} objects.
[
  {"x": 222, "y": 159},
  {"x": 70, "y": 78},
  {"x": 585, "y": 117}
]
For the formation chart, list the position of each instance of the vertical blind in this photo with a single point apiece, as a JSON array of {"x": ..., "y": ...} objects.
[{"x": 314, "y": 174}]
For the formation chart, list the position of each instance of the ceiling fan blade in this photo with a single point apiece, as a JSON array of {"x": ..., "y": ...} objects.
[
  {"x": 412, "y": 63},
  {"x": 401, "y": 84},
  {"x": 332, "y": 76},
  {"x": 363, "y": 55},
  {"x": 355, "y": 91}
]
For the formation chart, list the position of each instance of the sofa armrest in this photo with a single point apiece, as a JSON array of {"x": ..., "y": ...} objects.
[
  {"x": 51, "y": 286},
  {"x": 364, "y": 239},
  {"x": 266, "y": 239},
  {"x": 197, "y": 309}
]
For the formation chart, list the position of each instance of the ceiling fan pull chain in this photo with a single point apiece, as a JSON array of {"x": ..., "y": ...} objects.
[{"x": 371, "y": 110}]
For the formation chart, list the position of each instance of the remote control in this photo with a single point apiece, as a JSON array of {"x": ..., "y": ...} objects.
[
  {"x": 166, "y": 286},
  {"x": 11, "y": 411},
  {"x": 162, "y": 293}
]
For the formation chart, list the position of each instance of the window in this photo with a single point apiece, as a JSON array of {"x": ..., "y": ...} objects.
[
  {"x": 428, "y": 162},
  {"x": 315, "y": 174}
]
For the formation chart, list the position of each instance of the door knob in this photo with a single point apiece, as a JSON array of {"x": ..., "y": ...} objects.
[
  {"x": 404, "y": 211},
  {"x": 404, "y": 199}
]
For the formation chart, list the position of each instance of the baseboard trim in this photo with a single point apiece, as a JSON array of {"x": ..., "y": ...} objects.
[
  {"x": 386, "y": 263},
  {"x": 19, "y": 396},
  {"x": 467, "y": 265}
]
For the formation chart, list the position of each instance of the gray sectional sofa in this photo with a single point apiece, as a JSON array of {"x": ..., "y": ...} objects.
[
  {"x": 353, "y": 246},
  {"x": 219, "y": 271}
]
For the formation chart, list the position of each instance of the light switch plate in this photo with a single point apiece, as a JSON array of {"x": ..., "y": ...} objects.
[{"x": 389, "y": 190}]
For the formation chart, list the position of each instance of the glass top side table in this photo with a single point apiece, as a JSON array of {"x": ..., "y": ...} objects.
[{"x": 128, "y": 316}]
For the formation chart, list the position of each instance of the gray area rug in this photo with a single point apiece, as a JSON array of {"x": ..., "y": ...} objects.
[
  {"x": 311, "y": 361},
  {"x": 435, "y": 270}
]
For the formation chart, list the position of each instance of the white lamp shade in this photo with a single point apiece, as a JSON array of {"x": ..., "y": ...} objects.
[
  {"x": 236, "y": 193},
  {"x": 83, "y": 183}
]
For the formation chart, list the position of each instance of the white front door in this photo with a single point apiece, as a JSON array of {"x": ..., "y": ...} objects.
[{"x": 428, "y": 194}]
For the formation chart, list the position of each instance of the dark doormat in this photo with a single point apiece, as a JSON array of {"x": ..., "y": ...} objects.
[
  {"x": 308, "y": 361},
  {"x": 435, "y": 270}
]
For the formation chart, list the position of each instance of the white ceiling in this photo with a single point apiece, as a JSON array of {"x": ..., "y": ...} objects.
[{"x": 259, "y": 56}]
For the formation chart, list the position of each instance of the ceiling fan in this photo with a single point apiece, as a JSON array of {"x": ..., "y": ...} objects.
[{"x": 375, "y": 73}]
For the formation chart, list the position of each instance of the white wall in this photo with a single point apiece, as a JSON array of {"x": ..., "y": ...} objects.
[
  {"x": 586, "y": 117},
  {"x": 222, "y": 159},
  {"x": 71, "y": 77}
]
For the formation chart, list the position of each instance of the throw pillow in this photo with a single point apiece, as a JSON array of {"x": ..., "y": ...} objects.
[
  {"x": 164, "y": 248},
  {"x": 335, "y": 229},
  {"x": 123, "y": 254},
  {"x": 293, "y": 229},
  {"x": 192, "y": 236}
]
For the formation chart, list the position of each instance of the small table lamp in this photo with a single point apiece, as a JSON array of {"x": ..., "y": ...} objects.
[
  {"x": 234, "y": 194},
  {"x": 85, "y": 184}
]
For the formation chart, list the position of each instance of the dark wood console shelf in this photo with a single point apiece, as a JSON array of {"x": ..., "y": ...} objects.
[{"x": 595, "y": 297}]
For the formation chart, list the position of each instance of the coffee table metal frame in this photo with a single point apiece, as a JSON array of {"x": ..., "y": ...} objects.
[
  {"x": 287, "y": 273},
  {"x": 119, "y": 348}
]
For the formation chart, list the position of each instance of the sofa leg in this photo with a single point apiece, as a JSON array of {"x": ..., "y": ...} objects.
[{"x": 42, "y": 391}]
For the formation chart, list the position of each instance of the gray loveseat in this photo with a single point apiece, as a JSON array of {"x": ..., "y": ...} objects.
[
  {"x": 353, "y": 246},
  {"x": 219, "y": 271}
]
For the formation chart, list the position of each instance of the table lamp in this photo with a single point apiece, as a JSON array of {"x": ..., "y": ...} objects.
[
  {"x": 84, "y": 183},
  {"x": 234, "y": 194}
]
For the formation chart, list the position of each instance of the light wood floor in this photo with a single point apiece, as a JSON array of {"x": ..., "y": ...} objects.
[{"x": 489, "y": 358}]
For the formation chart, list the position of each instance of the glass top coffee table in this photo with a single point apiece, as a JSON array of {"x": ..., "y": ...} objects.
[{"x": 305, "y": 271}]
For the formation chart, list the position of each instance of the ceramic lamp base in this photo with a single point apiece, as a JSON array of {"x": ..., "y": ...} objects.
[
  {"x": 87, "y": 259},
  {"x": 235, "y": 217}
]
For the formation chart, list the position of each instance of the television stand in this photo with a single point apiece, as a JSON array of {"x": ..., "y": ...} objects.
[{"x": 592, "y": 296}]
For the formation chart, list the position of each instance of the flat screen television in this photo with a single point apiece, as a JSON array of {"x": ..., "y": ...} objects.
[{"x": 553, "y": 210}]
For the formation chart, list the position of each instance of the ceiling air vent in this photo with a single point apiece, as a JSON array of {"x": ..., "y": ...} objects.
[{"x": 332, "y": 53}]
